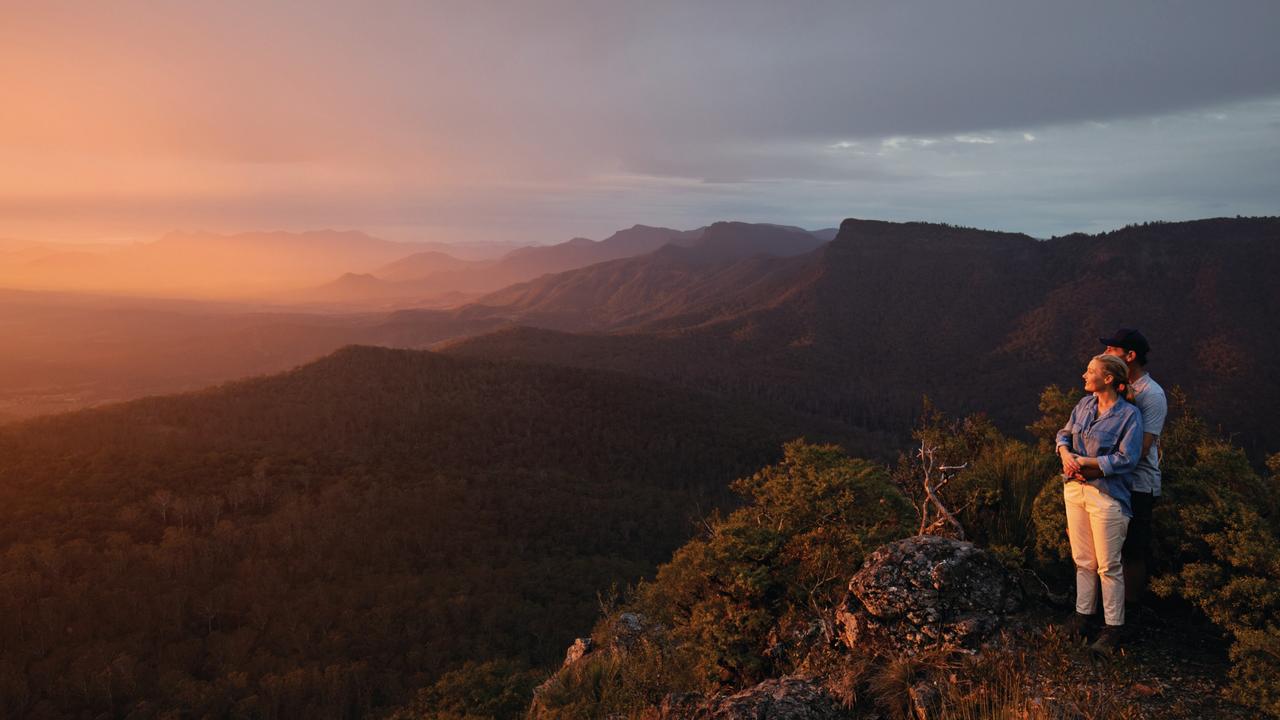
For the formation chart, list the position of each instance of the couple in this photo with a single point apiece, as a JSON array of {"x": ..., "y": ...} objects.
[{"x": 1111, "y": 470}]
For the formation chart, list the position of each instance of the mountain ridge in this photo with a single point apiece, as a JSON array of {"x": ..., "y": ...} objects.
[{"x": 894, "y": 311}]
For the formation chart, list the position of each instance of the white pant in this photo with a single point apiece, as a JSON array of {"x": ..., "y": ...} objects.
[{"x": 1096, "y": 525}]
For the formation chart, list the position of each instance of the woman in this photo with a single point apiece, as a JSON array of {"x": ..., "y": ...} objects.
[{"x": 1099, "y": 448}]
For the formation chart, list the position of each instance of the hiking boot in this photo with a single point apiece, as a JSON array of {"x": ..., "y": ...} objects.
[
  {"x": 1108, "y": 640},
  {"x": 1078, "y": 626}
]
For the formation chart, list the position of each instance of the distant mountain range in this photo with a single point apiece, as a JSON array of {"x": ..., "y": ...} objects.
[
  {"x": 860, "y": 329},
  {"x": 730, "y": 267},
  {"x": 422, "y": 265},
  {"x": 326, "y": 270},
  {"x": 66, "y": 351},
  {"x": 856, "y": 330},
  {"x": 421, "y": 279}
]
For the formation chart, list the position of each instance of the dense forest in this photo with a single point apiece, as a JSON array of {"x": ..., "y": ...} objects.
[{"x": 323, "y": 542}]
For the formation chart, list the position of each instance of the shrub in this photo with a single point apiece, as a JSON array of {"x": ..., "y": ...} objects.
[
  {"x": 715, "y": 611},
  {"x": 994, "y": 492},
  {"x": 1223, "y": 556},
  {"x": 809, "y": 522}
]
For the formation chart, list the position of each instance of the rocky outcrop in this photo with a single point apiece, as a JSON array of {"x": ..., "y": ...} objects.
[
  {"x": 788, "y": 698},
  {"x": 627, "y": 630},
  {"x": 924, "y": 593},
  {"x": 580, "y": 647},
  {"x": 927, "y": 592}
]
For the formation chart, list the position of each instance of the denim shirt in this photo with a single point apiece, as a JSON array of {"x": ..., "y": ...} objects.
[{"x": 1115, "y": 439}]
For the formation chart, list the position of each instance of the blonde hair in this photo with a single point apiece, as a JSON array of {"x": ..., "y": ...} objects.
[{"x": 1116, "y": 368}]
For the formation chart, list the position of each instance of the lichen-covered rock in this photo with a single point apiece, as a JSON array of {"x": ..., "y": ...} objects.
[
  {"x": 926, "y": 592},
  {"x": 627, "y": 630},
  {"x": 788, "y": 698}
]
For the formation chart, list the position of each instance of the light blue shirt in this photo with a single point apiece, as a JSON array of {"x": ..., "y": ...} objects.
[
  {"x": 1150, "y": 399},
  {"x": 1114, "y": 438}
]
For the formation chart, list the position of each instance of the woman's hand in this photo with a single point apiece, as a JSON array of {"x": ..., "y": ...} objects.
[{"x": 1070, "y": 462}]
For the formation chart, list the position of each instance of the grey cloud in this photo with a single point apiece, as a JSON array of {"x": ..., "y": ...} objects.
[
  {"x": 530, "y": 104},
  {"x": 767, "y": 70}
]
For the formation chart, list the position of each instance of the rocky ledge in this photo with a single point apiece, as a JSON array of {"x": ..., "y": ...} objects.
[{"x": 927, "y": 592}]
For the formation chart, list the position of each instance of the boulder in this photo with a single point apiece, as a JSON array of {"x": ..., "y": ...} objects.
[
  {"x": 927, "y": 592},
  {"x": 627, "y": 630}
]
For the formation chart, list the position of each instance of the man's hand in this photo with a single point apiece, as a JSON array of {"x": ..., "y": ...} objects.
[{"x": 1090, "y": 472}]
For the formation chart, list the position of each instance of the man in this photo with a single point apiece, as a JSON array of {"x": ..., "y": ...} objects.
[{"x": 1131, "y": 346}]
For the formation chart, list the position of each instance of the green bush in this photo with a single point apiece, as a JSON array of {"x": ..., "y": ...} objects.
[
  {"x": 1223, "y": 556},
  {"x": 993, "y": 493},
  {"x": 810, "y": 521},
  {"x": 1051, "y": 546},
  {"x": 1049, "y": 543},
  {"x": 714, "y": 610}
]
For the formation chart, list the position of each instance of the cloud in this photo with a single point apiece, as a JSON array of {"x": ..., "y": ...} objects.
[
  {"x": 400, "y": 112},
  {"x": 898, "y": 143}
]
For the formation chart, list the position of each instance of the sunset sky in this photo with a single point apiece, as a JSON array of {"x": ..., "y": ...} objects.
[{"x": 538, "y": 121}]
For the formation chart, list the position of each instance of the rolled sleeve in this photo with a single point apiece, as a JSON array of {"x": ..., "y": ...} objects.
[
  {"x": 1064, "y": 437},
  {"x": 1105, "y": 465}
]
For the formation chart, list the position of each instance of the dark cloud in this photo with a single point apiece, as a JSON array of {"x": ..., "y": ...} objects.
[{"x": 767, "y": 70}]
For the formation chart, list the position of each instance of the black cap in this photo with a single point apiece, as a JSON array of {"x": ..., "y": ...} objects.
[{"x": 1129, "y": 339}]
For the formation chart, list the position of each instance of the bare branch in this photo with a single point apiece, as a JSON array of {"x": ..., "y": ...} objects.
[{"x": 932, "y": 498}]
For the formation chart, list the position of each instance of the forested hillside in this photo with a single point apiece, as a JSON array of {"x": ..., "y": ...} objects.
[{"x": 320, "y": 543}]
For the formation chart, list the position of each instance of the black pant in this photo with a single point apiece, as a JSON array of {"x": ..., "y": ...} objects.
[{"x": 1137, "y": 544}]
